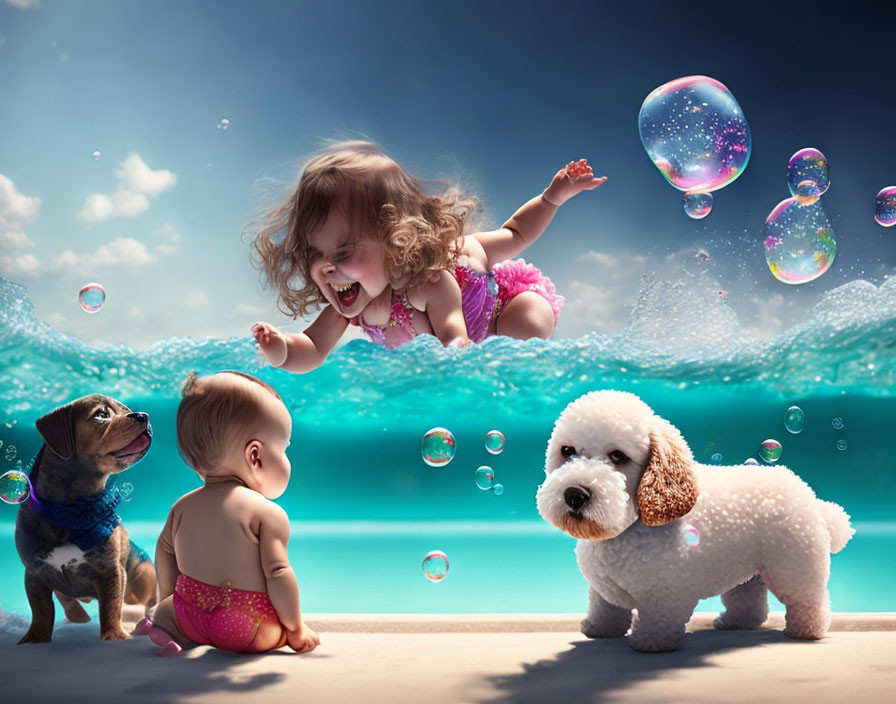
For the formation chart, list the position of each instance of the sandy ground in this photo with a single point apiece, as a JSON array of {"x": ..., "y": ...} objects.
[{"x": 434, "y": 659}]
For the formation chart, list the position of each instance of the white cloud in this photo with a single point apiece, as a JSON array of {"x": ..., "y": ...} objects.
[
  {"x": 25, "y": 265},
  {"x": 166, "y": 249},
  {"x": 247, "y": 309},
  {"x": 15, "y": 207},
  {"x": 124, "y": 251},
  {"x": 24, "y": 4},
  {"x": 137, "y": 183},
  {"x": 15, "y": 240},
  {"x": 196, "y": 298},
  {"x": 169, "y": 232},
  {"x": 55, "y": 319},
  {"x": 136, "y": 313}
]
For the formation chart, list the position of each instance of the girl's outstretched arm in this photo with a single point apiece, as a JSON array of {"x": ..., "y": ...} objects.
[
  {"x": 304, "y": 351},
  {"x": 530, "y": 221}
]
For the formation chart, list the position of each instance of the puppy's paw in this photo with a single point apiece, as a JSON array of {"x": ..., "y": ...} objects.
[
  {"x": 647, "y": 644},
  {"x": 115, "y": 634},
  {"x": 725, "y": 622},
  {"x": 592, "y": 629}
]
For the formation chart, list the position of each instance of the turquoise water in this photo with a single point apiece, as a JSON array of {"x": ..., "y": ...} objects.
[{"x": 366, "y": 508}]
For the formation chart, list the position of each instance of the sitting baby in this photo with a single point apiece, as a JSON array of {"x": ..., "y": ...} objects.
[{"x": 223, "y": 572}]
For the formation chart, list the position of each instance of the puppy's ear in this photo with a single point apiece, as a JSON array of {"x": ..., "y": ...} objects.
[
  {"x": 57, "y": 428},
  {"x": 668, "y": 488}
]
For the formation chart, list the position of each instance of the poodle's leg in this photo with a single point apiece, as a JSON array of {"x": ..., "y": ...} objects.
[
  {"x": 605, "y": 620},
  {"x": 802, "y": 586},
  {"x": 746, "y": 606},
  {"x": 658, "y": 628}
]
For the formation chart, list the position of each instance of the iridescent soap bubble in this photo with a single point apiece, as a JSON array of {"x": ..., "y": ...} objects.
[
  {"x": 498, "y": 489},
  {"x": 96, "y": 155},
  {"x": 793, "y": 419},
  {"x": 91, "y": 297},
  {"x": 697, "y": 204},
  {"x": 435, "y": 566},
  {"x": 15, "y": 487},
  {"x": 799, "y": 242},
  {"x": 224, "y": 124},
  {"x": 770, "y": 451},
  {"x": 808, "y": 176},
  {"x": 485, "y": 477},
  {"x": 885, "y": 207},
  {"x": 752, "y": 461},
  {"x": 841, "y": 444},
  {"x": 494, "y": 442},
  {"x": 716, "y": 458},
  {"x": 438, "y": 447},
  {"x": 837, "y": 423},
  {"x": 695, "y": 132},
  {"x": 691, "y": 536}
]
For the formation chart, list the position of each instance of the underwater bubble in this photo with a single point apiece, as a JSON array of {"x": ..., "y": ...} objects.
[
  {"x": 485, "y": 477},
  {"x": 15, "y": 487},
  {"x": 695, "y": 133},
  {"x": 716, "y": 458},
  {"x": 494, "y": 442},
  {"x": 793, "y": 419},
  {"x": 435, "y": 566},
  {"x": 770, "y": 451},
  {"x": 1, "y": 443},
  {"x": 837, "y": 423},
  {"x": 799, "y": 242},
  {"x": 224, "y": 124},
  {"x": 96, "y": 155},
  {"x": 91, "y": 297},
  {"x": 438, "y": 447},
  {"x": 691, "y": 536},
  {"x": 885, "y": 207},
  {"x": 808, "y": 175},
  {"x": 11, "y": 452},
  {"x": 498, "y": 489},
  {"x": 125, "y": 491},
  {"x": 751, "y": 461},
  {"x": 697, "y": 204},
  {"x": 841, "y": 444}
]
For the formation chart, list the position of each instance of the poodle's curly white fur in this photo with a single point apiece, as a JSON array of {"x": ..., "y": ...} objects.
[{"x": 658, "y": 532}]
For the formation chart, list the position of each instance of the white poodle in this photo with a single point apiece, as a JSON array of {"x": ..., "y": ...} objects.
[{"x": 658, "y": 531}]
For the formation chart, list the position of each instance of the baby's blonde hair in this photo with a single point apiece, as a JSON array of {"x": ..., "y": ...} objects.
[{"x": 420, "y": 233}]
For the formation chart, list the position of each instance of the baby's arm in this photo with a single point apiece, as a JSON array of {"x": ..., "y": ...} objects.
[
  {"x": 530, "y": 221},
  {"x": 304, "y": 351},
  {"x": 441, "y": 299},
  {"x": 166, "y": 563}
]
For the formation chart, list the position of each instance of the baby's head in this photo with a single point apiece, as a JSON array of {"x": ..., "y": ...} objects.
[
  {"x": 234, "y": 425},
  {"x": 354, "y": 223}
]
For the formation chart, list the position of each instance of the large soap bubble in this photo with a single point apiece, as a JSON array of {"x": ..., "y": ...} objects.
[
  {"x": 438, "y": 447},
  {"x": 799, "y": 241},
  {"x": 808, "y": 175},
  {"x": 695, "y": 132},
  {"x": 885, "y": 207}
]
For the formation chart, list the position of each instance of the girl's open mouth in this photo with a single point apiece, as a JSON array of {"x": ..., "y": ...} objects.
[{"x": 347, "y": 294}]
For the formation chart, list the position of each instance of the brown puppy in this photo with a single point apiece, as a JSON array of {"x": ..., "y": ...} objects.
[{"x": 68, "y": 533}]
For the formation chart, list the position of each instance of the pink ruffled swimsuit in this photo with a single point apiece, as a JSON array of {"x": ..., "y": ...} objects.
[
  {"x": 222, "y": 617},
  {"x": 482, "y": 297}
]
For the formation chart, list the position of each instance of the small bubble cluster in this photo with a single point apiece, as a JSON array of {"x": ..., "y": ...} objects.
[
  {"x": 97, "y": 155},
  {"x": 794, "y": 419},
  {"x": 716, "y": 458},
  {"x": 435, "y": 566},
  {"x": 438, "y": 447},
  {"x": 841, "y": 444},
  {"x": 770, "y": 451},
  {"x": 91, "y": 297},
  {"x": 224, "y": 124},
  {"x": 11, "y": 452},
  {"x": 837, "y": 423}
]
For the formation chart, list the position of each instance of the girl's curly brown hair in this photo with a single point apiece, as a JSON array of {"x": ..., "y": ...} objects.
[{"x": 420, "y": 233}]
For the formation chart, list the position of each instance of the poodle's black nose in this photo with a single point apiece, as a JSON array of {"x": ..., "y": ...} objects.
[{"x": 576, "y": 497}]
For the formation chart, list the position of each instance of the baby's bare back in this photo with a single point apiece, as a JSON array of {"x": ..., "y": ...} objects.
[{"x": 216, "y": 535}]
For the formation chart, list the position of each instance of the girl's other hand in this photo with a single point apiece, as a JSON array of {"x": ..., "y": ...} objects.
[
  {"x": 271, "y": 342},
  {"x": 573, "y": 178},
  {"x": 303, "y": 640}
]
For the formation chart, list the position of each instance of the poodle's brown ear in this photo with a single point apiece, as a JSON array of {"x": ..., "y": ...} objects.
[
  {"x": 668, "y": 489},
  {"x": 57, "y": 428}
]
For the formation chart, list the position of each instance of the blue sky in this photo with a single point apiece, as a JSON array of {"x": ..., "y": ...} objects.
[{"x": 495, "y": 94}]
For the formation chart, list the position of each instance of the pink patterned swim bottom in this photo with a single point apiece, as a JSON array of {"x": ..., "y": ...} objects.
[
  {"x": 514, "y": 276},
  {"x": 222, "y": 617}
]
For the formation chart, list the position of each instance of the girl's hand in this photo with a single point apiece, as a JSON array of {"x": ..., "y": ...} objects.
[
  {"x": 573, "y": 178},
  {"x": 271, "y": 342},
  {"x": 303, "y": 640}
]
